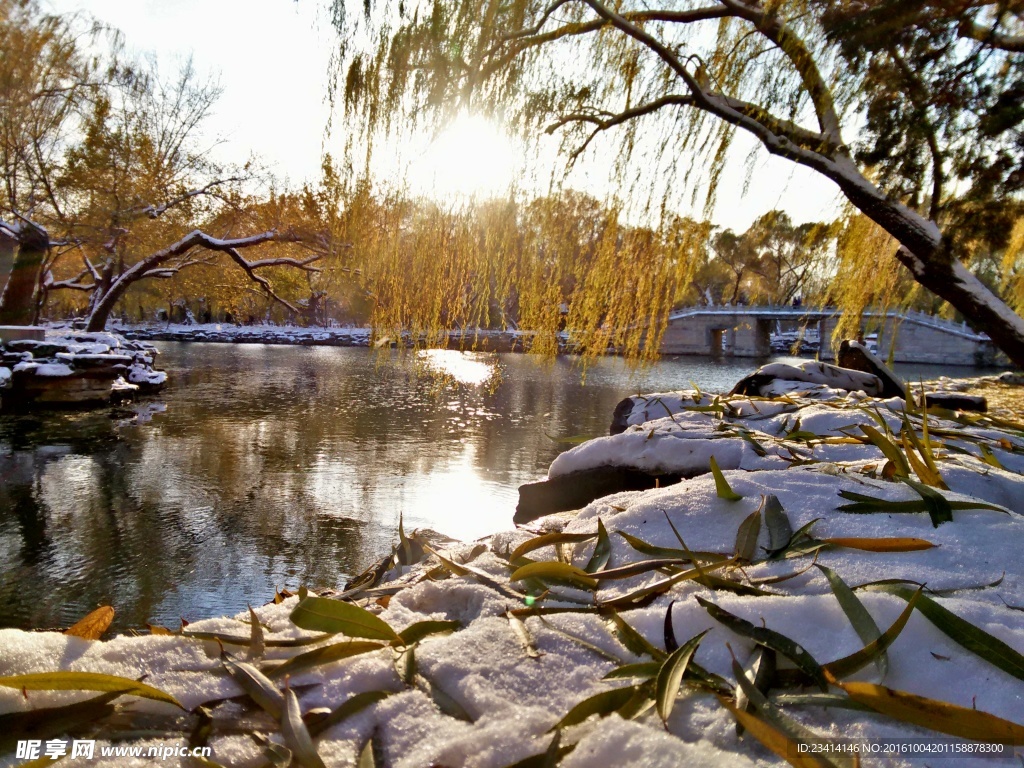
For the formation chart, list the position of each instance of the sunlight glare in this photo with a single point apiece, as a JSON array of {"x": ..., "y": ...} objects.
[
  {"x": 471, "y": 157},
  {"x": 471, "y": 368}
]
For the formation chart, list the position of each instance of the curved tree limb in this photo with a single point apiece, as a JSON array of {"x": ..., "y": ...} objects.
[{"x": 196, "y": 239}]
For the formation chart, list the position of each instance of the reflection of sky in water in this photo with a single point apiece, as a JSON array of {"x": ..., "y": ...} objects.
[{"x": 279, "y": 466}]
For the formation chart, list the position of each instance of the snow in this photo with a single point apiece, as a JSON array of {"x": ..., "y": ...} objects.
[
  {"x": 515, "y": 686},
  {"x": 54, "y": 369},
  {"x": 5, "y": 377},
  {"x": 823, "y": 373},
  {"x": 45, "y": 369},
  {"x": 141, "y": 374}
]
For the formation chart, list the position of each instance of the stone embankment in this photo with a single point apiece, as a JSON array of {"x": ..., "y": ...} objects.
[{"x": 482, "y": 340}]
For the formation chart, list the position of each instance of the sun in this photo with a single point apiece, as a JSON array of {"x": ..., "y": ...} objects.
[{"x": 472, "y": 157}]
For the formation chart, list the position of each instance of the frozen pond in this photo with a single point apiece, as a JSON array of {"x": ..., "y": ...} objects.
[{"x": 271, "y": 466}]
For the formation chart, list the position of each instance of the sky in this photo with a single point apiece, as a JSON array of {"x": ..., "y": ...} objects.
[{"x": 271, "y": 59}]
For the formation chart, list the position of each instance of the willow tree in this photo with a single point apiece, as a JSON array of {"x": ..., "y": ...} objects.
[{"x": 911, "y": 107}]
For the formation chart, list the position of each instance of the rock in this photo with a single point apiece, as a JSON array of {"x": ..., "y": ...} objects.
[
  {"x": 857, "y": 357},
  {"x": 19, "y": 332},
  {"x": 576, "y": 490},
  {"x": 76, "y": 368},
  {"x": 620, "y": 416},
  {"x": 955, "y": 401},
  {"x": 851, "y": 380}
]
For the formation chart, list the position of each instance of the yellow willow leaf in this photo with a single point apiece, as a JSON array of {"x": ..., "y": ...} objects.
[
  {"x": 935, "y": 715},
  {"x": 86, "y": 681},
  {"x": 772, "y": 738},
  {"x": 558, "y": 571},
  {"x": 721, "y": 484},
  {"x": 92, "y": 625},
  {"x": 902, "y": 544}
]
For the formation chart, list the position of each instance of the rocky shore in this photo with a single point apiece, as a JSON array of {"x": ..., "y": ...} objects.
[{"x": 74, "y": 368}]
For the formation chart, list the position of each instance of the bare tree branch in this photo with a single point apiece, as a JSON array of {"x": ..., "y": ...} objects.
[
  {"x": 155, "y": 211},
  {"x": 991, "y": 36}
]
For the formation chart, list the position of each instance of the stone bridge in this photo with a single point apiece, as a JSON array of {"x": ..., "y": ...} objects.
[{"x": 746, "y": 331}]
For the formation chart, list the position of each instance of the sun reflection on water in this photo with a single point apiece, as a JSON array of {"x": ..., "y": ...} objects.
[{"x": 474, "y": 369}]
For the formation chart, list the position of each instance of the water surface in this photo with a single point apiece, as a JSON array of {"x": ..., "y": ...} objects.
[{"x": 261, "y": 467}]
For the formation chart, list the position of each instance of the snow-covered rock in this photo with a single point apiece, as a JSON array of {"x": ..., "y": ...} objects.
[
  {"x": 71, "y": 367},
  {"x": 809, "y": 372}
]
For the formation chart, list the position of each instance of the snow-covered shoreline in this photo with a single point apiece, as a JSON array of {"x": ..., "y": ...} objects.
[{"x": 488, "y": 669}]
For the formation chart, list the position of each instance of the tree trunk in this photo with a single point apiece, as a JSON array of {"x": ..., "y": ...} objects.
[
  {"x": 956, "y": 284},
  {"x": 19, "y": 304},
  {"x": 925, "y": 252},
  {"x": 101, "y": 310}
]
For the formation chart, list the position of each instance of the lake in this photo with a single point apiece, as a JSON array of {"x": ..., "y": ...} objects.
[{"x": 262, "y": 467}]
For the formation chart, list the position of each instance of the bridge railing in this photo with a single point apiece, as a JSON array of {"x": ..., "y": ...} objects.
[{"x": 790, "y": 312}]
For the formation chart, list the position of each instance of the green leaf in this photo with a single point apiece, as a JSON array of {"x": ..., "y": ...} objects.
[
  {"x": 639, "y": 567},
  {"x": 644, "y": 548},
  {"x": 350, "y": 707},
  {"x": 938, "y": 506},
  {"x": 47, "y": 722},
  {"x": 602, "y": 550},
  {"x": 325, "y": 655},
  {"x": 633, "y": 640},
  {"x": 642, "y": 594},
  {"x": 780, "y": 530},
  {"x": 260, "y": 688},
  {"x": 746, "y": 536},
  {"x": 989, "y": 458},
  {"x": 549, "y": 758},
  {"x": 421, "y": 629},
  {"x": 770, "y": 639},
  {"x": 961, "y": 631},
  {"x": 641, "y": 700},
  {"x": 874, "y": 650},
  {"x": 869, "y": 504},
  {"x": 863, "y": 624},
  {"x": 296, "y": 735},
  {"x": 602, "y": 704},
  {"x": 760, "y": 672},
  {"x": 721, "y": 484},
  {"x": 86, "y": 681},
  {"x": 257, "y": 645},
  {"x": 888, "y": 448},
  {"x": 787, "y": 725},
  {"x": 555, "y": 571},
  {"x": 670, "y": 676},
  {"x": 828, "y": 700},
  {"x": 405, "y": 664},
  {"x": 323, "y": 615},
  {"x": 443, "y": 700},
  {"x": 646, "y": 670},
  {"x": 549, "y": 540}
]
